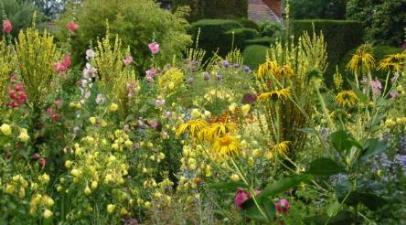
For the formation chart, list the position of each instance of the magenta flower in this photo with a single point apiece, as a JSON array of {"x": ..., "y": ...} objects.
[
  {"x": 7, "y": 26},
  {"x": 153, "y": 47},
  {"x": 282, "y": 206},
  {"x": 72, "y": 26},
  {"x": 128, "y": 60},
  {"x": 241, "y": 196}
]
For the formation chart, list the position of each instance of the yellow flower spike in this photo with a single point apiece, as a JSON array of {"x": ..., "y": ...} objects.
[
  {"x": 346, "y": 98},
  {"x": 5, "y": 129}
]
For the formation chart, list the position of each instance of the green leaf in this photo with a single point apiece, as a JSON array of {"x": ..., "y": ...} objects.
[
  {"x": 333, "y": 209},
  {"x": 370, "y": 200},
  {"x": 324, "y": 167},
  {"x": 284, "y": 184},
  {"x": 372, "y": 147},
  {"x": 227, "y": 186},
  {"x": 343, "y": 141},
  {"x": 250, "y": 210}
]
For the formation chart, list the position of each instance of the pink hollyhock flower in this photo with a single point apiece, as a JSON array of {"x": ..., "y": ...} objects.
[
  {"x": 240, "y": 197},
  {"x": 282, "y": 206},
  {"x": 128, "y": 60},
  {"x": 63, "y": 65},
  {"x": 72, "y": 26},
  {"x": 7, "y": 26},
  {"x": 376, "y": 86},
  {"x": 17, "y": 95},
  {"x": 153, "y": 47}
]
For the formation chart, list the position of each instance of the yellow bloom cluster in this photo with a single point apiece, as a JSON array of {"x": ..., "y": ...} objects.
[
  {"x": 170, "y": 81},
  {"x": 400, "y": 121},
  {"x": 17, "y": 186},
  {"x": 272, "y": 69},
  {"x": 41, "y": 203}
]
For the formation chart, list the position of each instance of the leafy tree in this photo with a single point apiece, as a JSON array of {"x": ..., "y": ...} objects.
[
  {"x": 137, "y": 23},
  {"x": 318, "y": 9},
  {"x": 384, "y": 20}
]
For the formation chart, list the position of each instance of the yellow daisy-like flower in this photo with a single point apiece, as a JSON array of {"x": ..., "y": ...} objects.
[
  {"x": 267, "y": 68},
  {"x": 193, "y": 126},
  {"x": 362, "y": 59},
  {"x": 282, "y": 94},
  {"x": 394, "y": 62},
  {"x": 281, "y": 147},
  {"x": 217, "y": 130},
  {"x": 346, "y": 98},
  {"x": 226, "y": 146}
]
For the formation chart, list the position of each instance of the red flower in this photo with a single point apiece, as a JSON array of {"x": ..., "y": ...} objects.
[
  {"x": 63, "y": 65},
  {"x": 17, "y": 95},
  {"x": 282, "y": 206},
  {"x": 72, "y": 26},
  {"x": 7, "y": 26}
]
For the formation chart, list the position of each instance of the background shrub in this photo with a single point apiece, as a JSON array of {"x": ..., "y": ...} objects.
[
  {"x": 19, "y": 12},
  {"x": 254, "y": 55},
  {"x": 239, "y": 36},
  {"x": 384, "y": 20},
  {"x": 318, "y": 9},
  {"x": 219, "y": 9},
  {"x": 340, "y": 35},
  {"x": 133, "y": 22}
]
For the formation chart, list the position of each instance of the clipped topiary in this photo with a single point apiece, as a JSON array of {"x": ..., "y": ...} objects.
[{"x": 254, "y": 55}]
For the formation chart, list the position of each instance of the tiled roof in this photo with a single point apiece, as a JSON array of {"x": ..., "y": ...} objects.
[{"x": 259, "y": 11}]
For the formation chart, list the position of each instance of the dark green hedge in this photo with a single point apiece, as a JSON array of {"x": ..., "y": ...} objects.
[
  {"x": 340, "y": 35},
  {"x": 240, "y": 36},
  {"x": 264, "y": 41},
  {"x": 214, "y": 9},
  {"x": 254, "y": 55},
  {"x": 213, "y": 34}
]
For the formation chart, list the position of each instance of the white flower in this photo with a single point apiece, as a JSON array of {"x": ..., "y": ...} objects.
[
  {"x": 100, "y": 99},
  {"x": 90, "y": 54},
  {"x": 89, "y": 71}
]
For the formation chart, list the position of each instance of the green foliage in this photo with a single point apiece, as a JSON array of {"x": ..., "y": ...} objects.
[
  {"x": 219, "y": 9},
  {"x": 248, "y": 23},
  {"x": 19, "y": 13},
  {"x": 212, "y": 34},
  {"x": 136, "y": 22},
  {"x": 318, "y": 9},
  {"x": 36, "y": 54},
  {"x": 254, "y": 55},
  {"x": 383, "y": 20},
  {"x": 7, "y": 63},
  {"x": 340, "y": 35}
]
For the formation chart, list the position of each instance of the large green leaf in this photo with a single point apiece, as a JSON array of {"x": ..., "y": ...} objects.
[
  {"x": 370, "y": 200},
  {"x": 324, "y": 167},
  {"x": 372, "y": 147},
  {"x": 250, "y": 209},
  {"x": 343, "y": 141},
  {"x": 283, "y": 185}
]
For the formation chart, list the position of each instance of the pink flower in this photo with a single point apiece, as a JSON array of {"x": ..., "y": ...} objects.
[
  {"x": 7, "y": 26},
  {"x": 128, "y": 60},
  {"x": 376, "y": 86},
  {"x": 72, "y": 26},
  {"x": 17, "y": 95},
  {"x": 241, "y": 196},
  {"x": 282, "y": 206},
  {"x": 153, "y": 47},
  {"x": 63, "y": 65}
]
